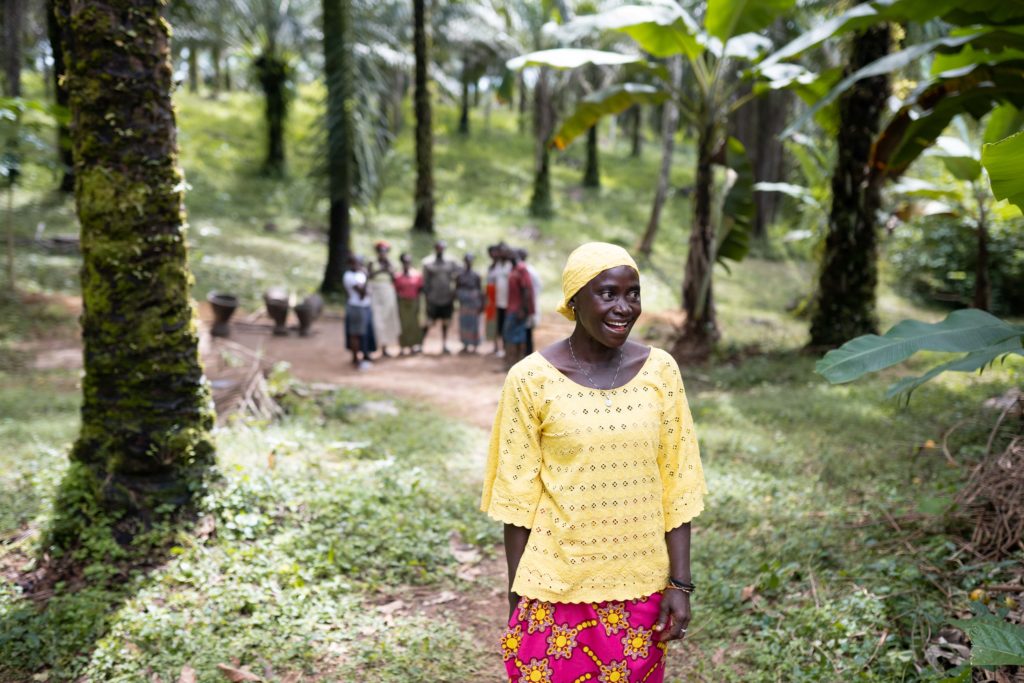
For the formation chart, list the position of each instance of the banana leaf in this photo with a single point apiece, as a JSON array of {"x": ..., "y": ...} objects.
[
  {"x": 1005, "y": 120},
  {"x": 570, "y": 58},
  {"x": 984, "y": 39},
  {"x": 1004, "y": 161},
  {"x": 927, "y": 112},
  {"x": 605, "y": 102},
  {"x": 863, "y": 15},
  {"x": 972, "y": 362},
  {"x": 663, "y": 30},
  {"x": 738, "y": 208},
  {"x": 728, "y": 18},
  {"x": 963, "y": 331}
]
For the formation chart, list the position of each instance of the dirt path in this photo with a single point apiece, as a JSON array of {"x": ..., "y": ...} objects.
[{"x": 465, "y": 387}]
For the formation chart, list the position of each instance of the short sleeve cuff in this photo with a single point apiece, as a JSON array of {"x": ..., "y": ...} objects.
[
  {"x": 682, "y": 509},
  {"x": 509, "y": 512}
]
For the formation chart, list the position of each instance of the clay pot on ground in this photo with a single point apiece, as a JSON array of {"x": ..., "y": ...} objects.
[
  {"x": 223, "y": 306},
  {"x": 276, "y": 300},
  {"x": 308, "y": 311}
]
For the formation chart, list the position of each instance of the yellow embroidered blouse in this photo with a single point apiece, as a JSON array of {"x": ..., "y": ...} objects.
[{"x": 598, "y": 486}]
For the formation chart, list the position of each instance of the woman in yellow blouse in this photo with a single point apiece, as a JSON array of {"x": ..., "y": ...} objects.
[{"x": 593, "y": 468}]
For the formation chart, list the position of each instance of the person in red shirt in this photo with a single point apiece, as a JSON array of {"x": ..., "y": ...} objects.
[
  {"x": 409, "y": 288},
  {"x": 520, "y": 310}
]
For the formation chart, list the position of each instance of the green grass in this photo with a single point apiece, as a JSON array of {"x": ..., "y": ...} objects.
[
  {"x": 315, "y": 513},
  {"x": 321, "y": 509}
]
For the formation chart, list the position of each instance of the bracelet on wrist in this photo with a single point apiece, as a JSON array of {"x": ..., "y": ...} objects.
[{"x": 683, "y": 586}]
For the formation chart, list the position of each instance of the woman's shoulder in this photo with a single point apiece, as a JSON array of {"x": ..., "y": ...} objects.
[
  {"x": 661, "y": 361},
  {"x": 534, "y": 369}
]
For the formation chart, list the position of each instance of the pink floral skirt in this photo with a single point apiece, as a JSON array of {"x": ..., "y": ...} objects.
[{"x": 607, "y": 642}]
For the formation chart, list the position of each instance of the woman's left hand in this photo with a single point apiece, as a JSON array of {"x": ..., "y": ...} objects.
[{"x": 674, "y": 615}]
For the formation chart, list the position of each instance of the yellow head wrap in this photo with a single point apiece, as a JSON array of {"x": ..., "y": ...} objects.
[{"x": 584, "y": 264}]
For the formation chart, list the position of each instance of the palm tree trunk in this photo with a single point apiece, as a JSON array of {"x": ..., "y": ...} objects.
[
  {"x": 424, "y": 198},
  {"x": 215, "y": 57},
  {"x": 523, "y": 105},
  {"x": 338, "y": 71},
  {"x": 57, "y": 41},
  {"x": 146, "y": 410},
  {"x": 592, "y": 170},
  {"x": 464, "y": 113},
  {"x": 637, "y": 147},
  {"x": 700, "y": 331},
  {"x": 982, "y": 282},
  {"x": 540, "y": 201},
  {"x": 272, "y": 71},
  {"x": 669, "y": 123},
  {"x": 193, "y": 68},
  {"x": 845, "y": 302},
  {"x": 13, "y": 19}
]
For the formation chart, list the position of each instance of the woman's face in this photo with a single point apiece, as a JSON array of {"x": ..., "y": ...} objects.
[{"x": 608, "y": 306}]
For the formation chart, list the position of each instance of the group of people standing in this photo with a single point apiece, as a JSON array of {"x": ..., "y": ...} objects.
[{"x": 385, "y": 305}]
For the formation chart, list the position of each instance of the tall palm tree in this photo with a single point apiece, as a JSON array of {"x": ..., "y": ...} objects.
[
  {"x": 13, "y": 21},
  {"x": 53, "y": 28},
  {"x": 146, "y": 408},
  {"x": 274, "y": 30},
  {"x": 845, "y": 299},
  {"x": 338, "y": 71},
  {"x": 424, "y": 197}
]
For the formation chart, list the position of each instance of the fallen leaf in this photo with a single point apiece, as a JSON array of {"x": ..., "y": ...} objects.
[
  {"x": 462, "y": 552},
  {"x": 748, "y": 592},
  {"x": 239, "y": 675},
  {"x": 392, "y": 607},
  {"x": 205, "y": 527},
  {"x": 718, "y": 658},
  {"x": 468, "y": 573},
  {"x": 188, "y": 675},
  {"x": 441, "y": 598}
]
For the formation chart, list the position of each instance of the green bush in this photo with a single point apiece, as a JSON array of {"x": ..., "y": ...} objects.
[{"x": 934, "y": 259}]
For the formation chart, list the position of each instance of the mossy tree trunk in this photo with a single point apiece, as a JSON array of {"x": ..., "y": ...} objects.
[
  {"x": 146, "y": 410},
  {"x": 273, "y": 71},
  {"x": 592, "y": 170},
  {"x": 700, "y": 330},
  {"x": 13, "y": 19},
  {"x": 338, "y": 71},
  {"x": 57, "y": 42},
  {"x": 543, "y": 125},
  {"x": 424, "y": 197},
  {"x": 844, "y": 306}
]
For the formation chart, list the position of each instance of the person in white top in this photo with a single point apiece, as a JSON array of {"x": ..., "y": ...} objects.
[
  {"x": 501, "y": 270},
  {"x": 534, "y": 320},
  {"x": 357, "y": 312}
]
